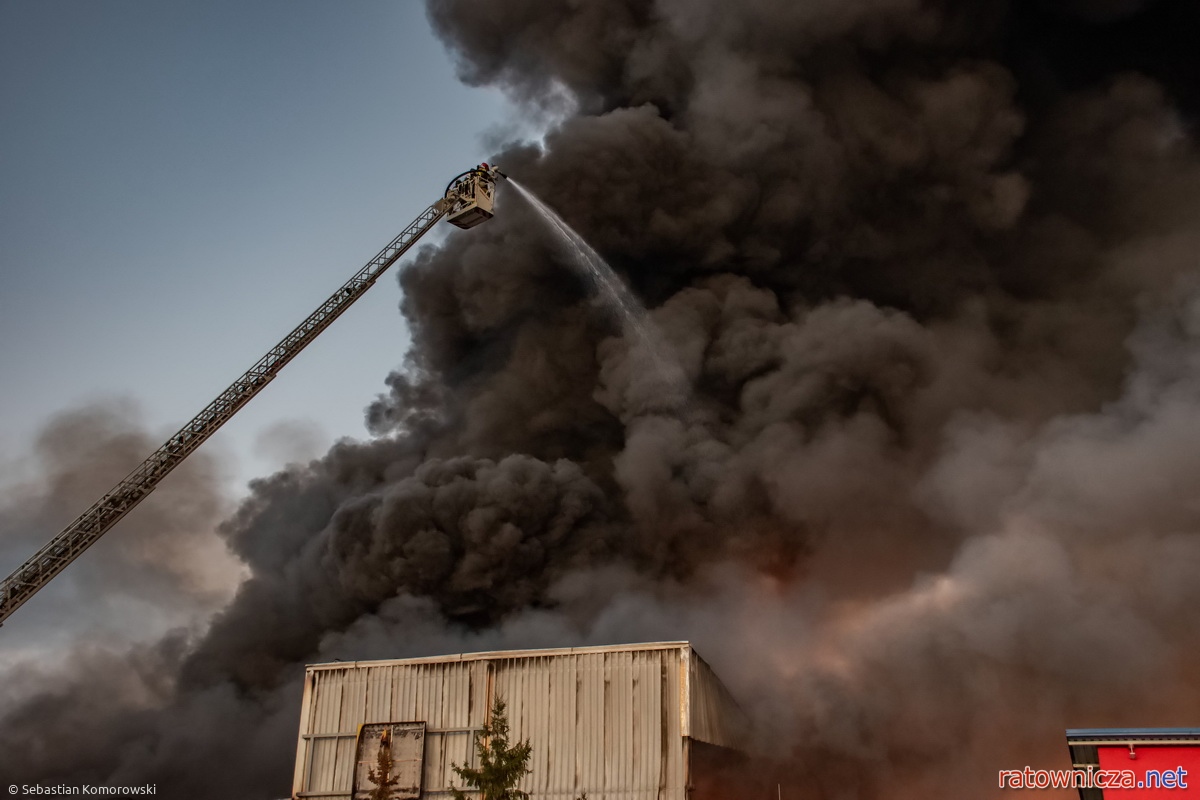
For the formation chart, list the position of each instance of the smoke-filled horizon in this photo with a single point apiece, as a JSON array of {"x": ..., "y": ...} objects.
[{"x": 929, "y": 270}]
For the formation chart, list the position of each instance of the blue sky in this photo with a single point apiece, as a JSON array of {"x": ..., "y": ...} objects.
[{"x": 182, "y": 182}]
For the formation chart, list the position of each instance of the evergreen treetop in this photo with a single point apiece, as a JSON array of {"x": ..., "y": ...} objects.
[{"x": 501, "y": 765}]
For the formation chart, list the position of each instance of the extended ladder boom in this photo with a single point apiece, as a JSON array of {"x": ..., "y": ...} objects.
[{"x": 461, "y": 206}]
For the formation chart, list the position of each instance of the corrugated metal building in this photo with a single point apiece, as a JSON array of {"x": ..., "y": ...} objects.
[
  {"x": 1135, "y": 762},
  {"x": 633, "y": 722}
]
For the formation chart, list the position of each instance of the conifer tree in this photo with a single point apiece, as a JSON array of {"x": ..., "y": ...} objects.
[{"x": 501, "y": 765}]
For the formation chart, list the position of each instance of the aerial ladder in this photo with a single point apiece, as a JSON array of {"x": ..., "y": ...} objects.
[{"x": 469, "y": 200}]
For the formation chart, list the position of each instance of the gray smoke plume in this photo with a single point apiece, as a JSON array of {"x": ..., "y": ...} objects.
[
  {"x": 168, "y": 567},
  {"x": 930, "y": 273}
]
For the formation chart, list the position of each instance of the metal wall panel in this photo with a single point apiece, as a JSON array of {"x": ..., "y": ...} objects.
[
  {"x": 716, "y": 717},
  {"x": 611, "y": 721},
  {"x": 405, "y": 743},
  {"x": 673, "y": 710},
  {"x": 589, "y": 671}
]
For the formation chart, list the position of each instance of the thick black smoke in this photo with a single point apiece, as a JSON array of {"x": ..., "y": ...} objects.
[{"x": 929, "y": 270}]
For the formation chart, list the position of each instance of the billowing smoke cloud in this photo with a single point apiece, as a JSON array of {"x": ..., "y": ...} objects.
[
  {"x": 931, "y": 498},
  {"x": 168, "y": 567}
]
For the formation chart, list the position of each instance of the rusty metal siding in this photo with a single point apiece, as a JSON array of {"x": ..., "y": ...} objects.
[
  {"x": 406, "y": 746},
  {"x": 611, "y": 721}
]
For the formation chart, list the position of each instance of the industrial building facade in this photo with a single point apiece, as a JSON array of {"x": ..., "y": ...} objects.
[
  {"x": 633, "y": 722},
  {"x": 1136, "y": 763}
]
